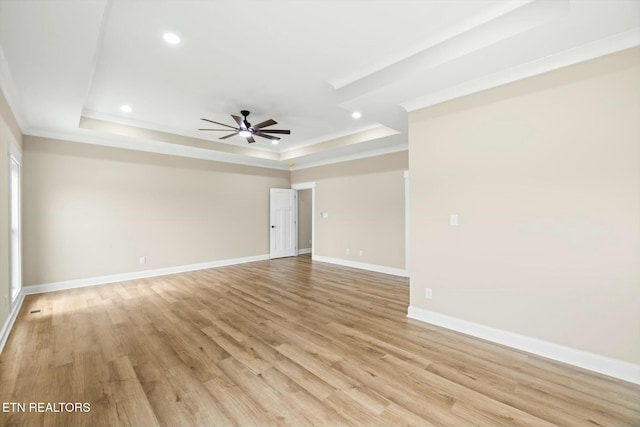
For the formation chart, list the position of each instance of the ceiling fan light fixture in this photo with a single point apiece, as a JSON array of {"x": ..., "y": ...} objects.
[
  {"x": 171, "y": 38},
  {"x": 244, "y": 133}
]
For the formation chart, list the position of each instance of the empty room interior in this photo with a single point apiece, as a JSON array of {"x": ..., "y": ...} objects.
[{"x": 320, "y": 213}]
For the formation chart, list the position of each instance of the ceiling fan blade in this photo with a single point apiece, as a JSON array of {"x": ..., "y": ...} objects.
[
  {"x": 264, "y": 135},
  {"x": 265, "y": 124},
  {"x": 221, "y": 124},
  {"x": 244, "y": 127},
  {"x": 284, "y": 131},
  {"x": 239, "y": 121}
]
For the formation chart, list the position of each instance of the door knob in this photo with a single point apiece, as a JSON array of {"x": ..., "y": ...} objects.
[{"x": 273, "y": 226}]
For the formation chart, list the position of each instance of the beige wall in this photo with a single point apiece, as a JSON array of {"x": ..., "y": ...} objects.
[
  {"x": 91, "y": 211},
  {"x": 545, "y": 177},
  {"x": 304, "y": 219},
  {"x": 365, "y": 202},
  {"x": 9, "y": 133}
]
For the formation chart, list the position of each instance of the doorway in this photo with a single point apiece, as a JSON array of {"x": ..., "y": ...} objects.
[
  {"x": 306, "y": 217},
  {"x": 305, "y": 209}
]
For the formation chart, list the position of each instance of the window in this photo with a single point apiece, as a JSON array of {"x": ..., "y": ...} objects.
[{"x": 15, "y": 266}]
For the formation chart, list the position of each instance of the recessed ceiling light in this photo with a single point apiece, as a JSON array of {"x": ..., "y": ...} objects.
[
  {"x": 275, "y": 141},
  {"x": 126, "y": 108},
  {"x": 356, "y": 114},
  {"x": 171, "y": 38}
]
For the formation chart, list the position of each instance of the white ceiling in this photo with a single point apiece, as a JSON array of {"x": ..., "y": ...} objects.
[{"x": 66, "y": 66}]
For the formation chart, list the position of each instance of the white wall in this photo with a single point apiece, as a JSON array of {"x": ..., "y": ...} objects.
[
  {"x": 545, "y": 177},
  {"x": 92, "y": 211},
  {"x": 365, "y": 202}
]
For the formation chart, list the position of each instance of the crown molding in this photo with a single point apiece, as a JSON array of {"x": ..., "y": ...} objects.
[
  {"x": 355, "y": 156},
  {"x": 330, "y": 137},
  {"x": 596, "y": 49},
  {"x": 138, "y": 144}
]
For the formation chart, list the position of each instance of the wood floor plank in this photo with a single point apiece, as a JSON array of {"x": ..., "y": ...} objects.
[
  {"x": 237, "y": 405},
  {"x": 395, "y": 415},
  {"x": 275, "y": 402},
  {"x": 287, "y": 342},
  {"x": 314, "y": 385}
]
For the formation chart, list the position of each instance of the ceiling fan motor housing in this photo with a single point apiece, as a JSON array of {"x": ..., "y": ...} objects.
[{"x": 245, "y": 114}]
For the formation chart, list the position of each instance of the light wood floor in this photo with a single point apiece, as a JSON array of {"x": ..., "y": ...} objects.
[{"x": 285, "y": 342}]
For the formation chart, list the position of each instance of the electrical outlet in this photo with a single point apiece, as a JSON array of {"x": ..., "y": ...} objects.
[
  {"x": 428, "y": 293},
  {"x": 143, "y": 260},
  {"x": 360, "y": 252},
  {"x": 348, "y": 251}
]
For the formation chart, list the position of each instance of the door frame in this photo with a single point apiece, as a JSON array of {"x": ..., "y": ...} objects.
[
  {"x": 407, "y": 245},
  {"x": 308, "y": 186}
]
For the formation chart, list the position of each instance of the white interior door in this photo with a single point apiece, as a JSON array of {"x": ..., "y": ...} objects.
[{"x": 284, "y": 236}]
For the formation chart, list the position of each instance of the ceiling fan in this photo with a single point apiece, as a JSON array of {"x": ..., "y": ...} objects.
[{"x": 246, "y": 130}]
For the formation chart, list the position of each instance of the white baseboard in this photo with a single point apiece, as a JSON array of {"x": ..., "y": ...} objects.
[
  {"x": 594, "y": 362},
  {"x": 362, "y": 266},
  {"x": 304, "y": 251},
  {"x": 101, "y": 280},
  {"x": 8, "y": 324}
]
